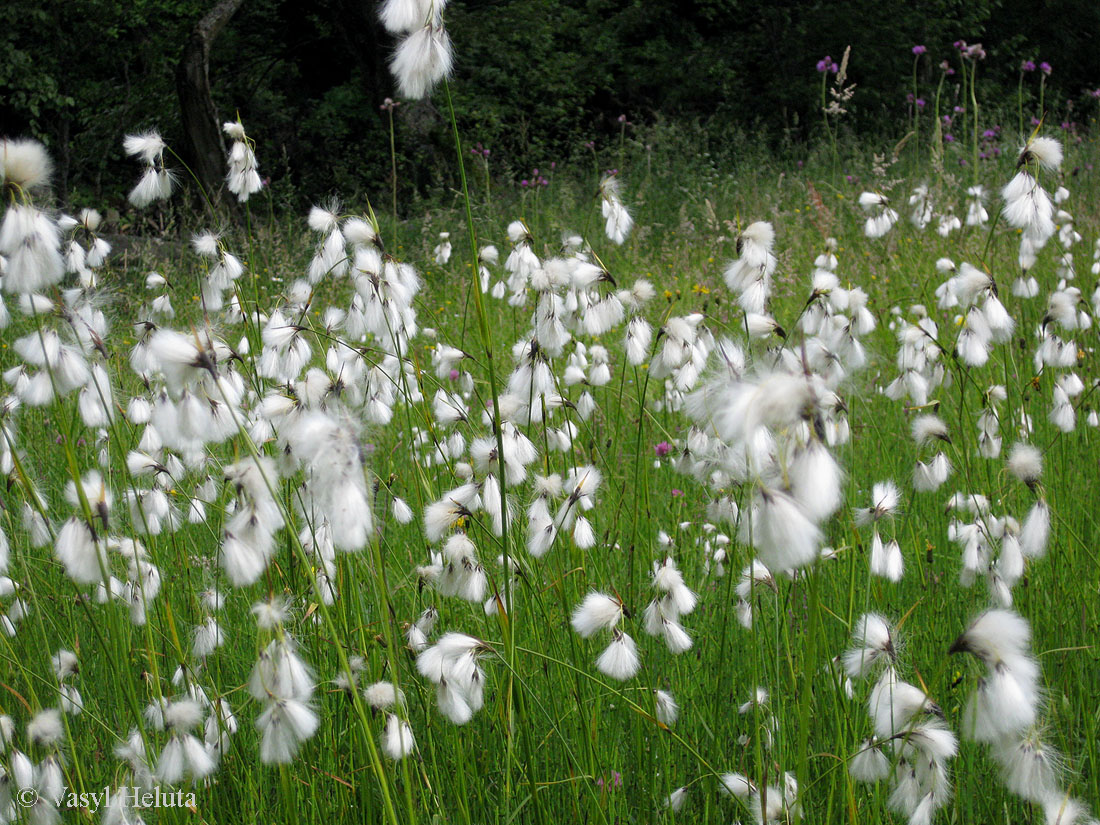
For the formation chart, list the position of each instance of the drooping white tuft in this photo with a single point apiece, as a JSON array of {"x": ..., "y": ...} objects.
[
  {"x": 1025, "y": 462},
  {"x": 597, "y": 612},
  {"x": 24, "y": 163}
]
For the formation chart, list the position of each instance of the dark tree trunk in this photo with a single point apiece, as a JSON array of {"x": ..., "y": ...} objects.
[{"x": 203, "y": 146}]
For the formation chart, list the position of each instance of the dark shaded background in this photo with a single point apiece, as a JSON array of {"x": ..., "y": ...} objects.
[{"x": 535, "y": 79}]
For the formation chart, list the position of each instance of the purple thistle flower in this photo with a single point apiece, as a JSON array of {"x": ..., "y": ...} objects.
[
  {"x": 949, "y": 138},
  {"x": 920, "y": 103},
  {"x": 918, "y": 50},
  {"x": 662, "y": 449},
  {"x": 1027, "y": 66},
  {"x": 1045, "y": 68}
]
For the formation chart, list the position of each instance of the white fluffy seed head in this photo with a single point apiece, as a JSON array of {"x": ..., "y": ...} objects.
[
  {"x": 148, "y": 146},
  {"x": 1025, "y": 462},
  {"x": 927, "y": 428},
  {"x": 735, "y": 784},
  {"x": 271, "y": 613},
  {"x": 24, "y": 163},
  {"x": 382, "y": 695},
  {"x": 597, "y": 612},
  {"x": 422, "y": 59},
  {"x": 64, "y": 664},
  {"x": 620, "y": 659},
  {"x": 397, "y": 739},
  {"x": 182, "y": 715},
  {"x": 869, "y": 763},
  {"x": 45, "y": 728},
  {"x": 995, "y": 636},
  {"x": 884, "y": 502},
  {"x": 666, "y": 707},
  {"x": 872, "y": 642},
  {"x": 1045, "y": 151},
  {"x": 895, "y": 704}
]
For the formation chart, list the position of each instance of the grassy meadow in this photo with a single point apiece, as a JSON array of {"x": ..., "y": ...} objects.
[{"x": 312, "y": 471}]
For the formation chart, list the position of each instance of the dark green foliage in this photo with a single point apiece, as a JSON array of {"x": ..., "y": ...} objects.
[
  {"x": 78, "y": 74},
  {"x": 535, "y": 79}
]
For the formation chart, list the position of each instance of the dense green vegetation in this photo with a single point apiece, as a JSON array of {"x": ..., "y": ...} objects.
[
  {"x": 535, "y": 79},
  {"x": 557, "y": 740},
  {"x": 253, "y": 452}
]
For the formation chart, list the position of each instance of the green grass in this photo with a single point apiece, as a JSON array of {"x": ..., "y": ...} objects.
[{"x": 556, "y": 741}]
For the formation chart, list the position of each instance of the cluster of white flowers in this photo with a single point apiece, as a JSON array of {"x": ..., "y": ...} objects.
[
  {"x": 425, "y": 55},
  {"x": 619, "y": 221},
  {"x": 283, "y": 684},
  {"x": 881, "y": 217},
  {"x": 243, "y": 178},
  {"x": 1028, "y": 207},
  {"x": 886, "y": 558},
  {"x": 907, "y": 725},
  {"x": 453, "y": 664},
  {"x": 1004, "y": 713},
  {"x": 771, "y": 424},
  {"x": 156, "y": 181}
]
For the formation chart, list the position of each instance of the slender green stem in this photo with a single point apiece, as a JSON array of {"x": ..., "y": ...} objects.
[{"x": 508, "y": 615}]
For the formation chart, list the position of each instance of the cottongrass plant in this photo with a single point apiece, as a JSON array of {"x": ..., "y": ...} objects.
[
  {"x": 424, "y": 55},
  {"x": 911, "y": 744}
]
